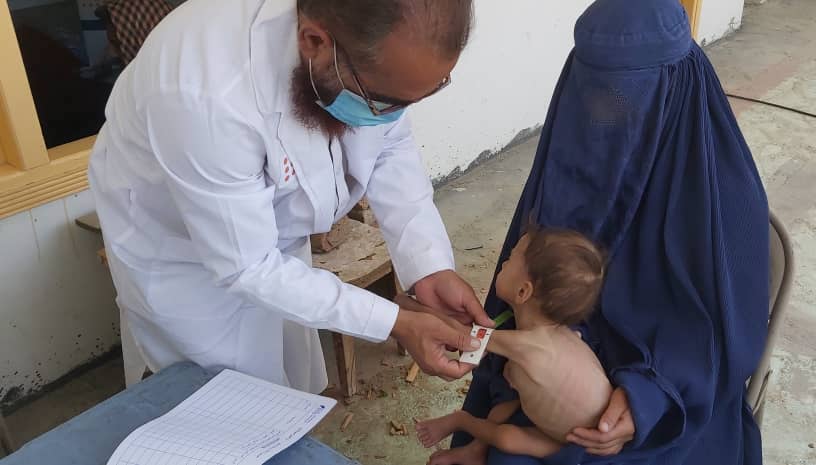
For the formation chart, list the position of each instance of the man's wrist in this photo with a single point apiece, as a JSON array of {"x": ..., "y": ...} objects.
[
  {"x": 381, "y": 320},
  {"x": 411, "y": 270},
  {"x": 401, "y": 324}
]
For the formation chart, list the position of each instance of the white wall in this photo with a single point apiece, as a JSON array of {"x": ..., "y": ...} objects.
[
  {"x": 57, "y": 307},
  {"x": 504, "y": 80},
  {"x": 502, "y": 84},
  {"x": 718, "y": 18}
]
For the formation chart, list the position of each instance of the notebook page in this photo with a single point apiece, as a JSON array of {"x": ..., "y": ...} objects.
[{"x": 234, "y": 419}]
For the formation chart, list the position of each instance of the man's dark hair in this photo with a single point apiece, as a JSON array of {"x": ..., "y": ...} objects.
[
  {"x": 567, "y": 271},
  {"x": 361, "y": 25}
]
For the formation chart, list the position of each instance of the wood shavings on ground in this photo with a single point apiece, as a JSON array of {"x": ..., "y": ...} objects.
[
  {"x": 346, "y": 421},
  {"x": 412, "y": 373},
  {"x": 375, "y": 392},
  {"x": 398, "y": 429}
]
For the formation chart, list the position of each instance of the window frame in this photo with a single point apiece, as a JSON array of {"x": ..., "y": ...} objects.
[
  {"x": 30, "y": 173},
  {"x": 693, "y": 8}
]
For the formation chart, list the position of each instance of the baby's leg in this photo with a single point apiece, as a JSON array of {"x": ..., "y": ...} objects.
[
  {"x": 430, "y": 432},
  {"x": 504, "y": 411},
  {"x": 475, "y": 453},
  {"x": 511, "y": 439}
]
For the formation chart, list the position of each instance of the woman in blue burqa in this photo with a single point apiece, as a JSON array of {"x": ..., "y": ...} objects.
[{"x": 642, "y": 153}]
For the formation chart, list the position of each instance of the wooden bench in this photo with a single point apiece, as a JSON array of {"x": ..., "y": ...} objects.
[{"x": 362, "y": 260}]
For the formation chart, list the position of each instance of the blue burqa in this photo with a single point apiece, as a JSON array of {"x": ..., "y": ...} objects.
[{"x": 642, "y": 153}]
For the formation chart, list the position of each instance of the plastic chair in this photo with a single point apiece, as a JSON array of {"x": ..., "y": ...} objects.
[{"x": 781, "y": 275}]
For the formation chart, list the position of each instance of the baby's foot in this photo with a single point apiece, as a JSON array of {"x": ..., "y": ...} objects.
[
  {"x": 472, "y": 454},
  {"x": 430, "y": 432}
]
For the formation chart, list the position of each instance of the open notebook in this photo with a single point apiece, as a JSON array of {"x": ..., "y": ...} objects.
[{"x": 234, "y": 419}]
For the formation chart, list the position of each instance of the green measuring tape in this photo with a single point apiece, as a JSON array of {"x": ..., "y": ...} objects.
[{"x": 503, "y": 318}]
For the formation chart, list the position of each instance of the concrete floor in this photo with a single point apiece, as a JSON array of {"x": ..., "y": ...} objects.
[{"x": 773, "y": 57}]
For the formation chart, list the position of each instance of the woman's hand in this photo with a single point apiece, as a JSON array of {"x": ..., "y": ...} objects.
[{"x": 615, "y": 428}]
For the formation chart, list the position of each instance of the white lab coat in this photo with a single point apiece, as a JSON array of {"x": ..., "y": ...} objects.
[{"x": 207, "y": 188}]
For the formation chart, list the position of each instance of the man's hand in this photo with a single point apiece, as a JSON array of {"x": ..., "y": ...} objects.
[
  {"x": 615, "y": 428},
  {"x": 407, "y": 302},
  {"x": 425, "y": 337},
  {"x": 446, "y": 291}
]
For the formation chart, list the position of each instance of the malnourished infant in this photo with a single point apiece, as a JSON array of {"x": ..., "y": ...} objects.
[{"x": 552, "y": 279}]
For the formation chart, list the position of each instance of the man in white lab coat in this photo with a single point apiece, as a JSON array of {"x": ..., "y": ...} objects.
[{"x": 241, "y": 128}]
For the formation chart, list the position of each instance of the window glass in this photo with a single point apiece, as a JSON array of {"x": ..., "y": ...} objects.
[{"x": 70, "y": 64}]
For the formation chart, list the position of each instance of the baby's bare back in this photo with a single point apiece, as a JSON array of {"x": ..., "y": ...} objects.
[{"x": 560, "y": 381}]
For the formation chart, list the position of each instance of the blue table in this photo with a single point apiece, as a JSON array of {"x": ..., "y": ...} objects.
[{"x": 91, "y": 438}]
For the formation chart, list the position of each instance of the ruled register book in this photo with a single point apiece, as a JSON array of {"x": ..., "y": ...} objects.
[{"x": 234, "y": 419}]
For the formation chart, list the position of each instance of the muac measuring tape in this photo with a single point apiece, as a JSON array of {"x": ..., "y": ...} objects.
[{"x": 483, "y": 334}]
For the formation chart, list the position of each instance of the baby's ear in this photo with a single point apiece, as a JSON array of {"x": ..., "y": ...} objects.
[{"x": 525, "y": 292}]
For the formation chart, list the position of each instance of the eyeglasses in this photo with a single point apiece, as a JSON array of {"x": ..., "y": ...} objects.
[{"x": 379, "y": 105}]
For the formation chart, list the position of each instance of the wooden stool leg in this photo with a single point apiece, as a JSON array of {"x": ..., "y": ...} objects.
[
  {"x": 6, "y": 444},
  {"x": 396, "y": 289},
  {"x": 346, "y": 363},
  {"x": 402, "y": 350}
]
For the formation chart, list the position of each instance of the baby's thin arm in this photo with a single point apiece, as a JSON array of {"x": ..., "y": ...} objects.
[
  {"x": 510, "y": 439},
  {"x": 511, "y": 344}
]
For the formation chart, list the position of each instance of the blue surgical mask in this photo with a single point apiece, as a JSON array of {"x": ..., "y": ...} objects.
[
  {"x": 349, "y": 108},
  {"x": 353, "y": 110}
]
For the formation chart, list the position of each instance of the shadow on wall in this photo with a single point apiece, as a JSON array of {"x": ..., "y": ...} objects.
[
  {"x": 523, "y": 136},
  {"x": 733, "y": 26}
]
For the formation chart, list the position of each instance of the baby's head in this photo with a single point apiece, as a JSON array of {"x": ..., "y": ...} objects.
[{"x": 558, "y": 271}]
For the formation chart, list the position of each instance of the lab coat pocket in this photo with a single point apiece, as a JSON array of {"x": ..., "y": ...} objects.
[
  {"x": 188, "y": 312},
  {"x": 194, "y": 337},
  {"x": 187, "y": 290},
  {"x": 284, "y": 175}
]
